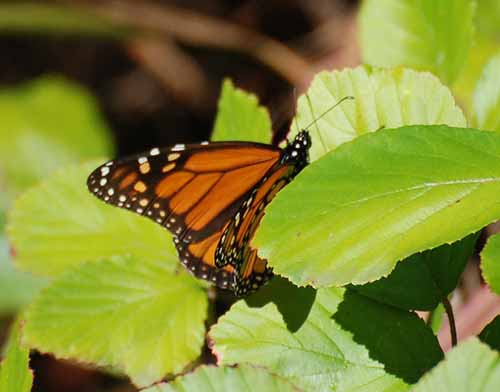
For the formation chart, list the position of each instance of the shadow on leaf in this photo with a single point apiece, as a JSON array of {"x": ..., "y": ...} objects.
[
  {"x": 421, "y": 281},
  {"x": 294, "y": 303},
  {"x": 398, "y": 339},
  {"x": 491, "y": 334}
]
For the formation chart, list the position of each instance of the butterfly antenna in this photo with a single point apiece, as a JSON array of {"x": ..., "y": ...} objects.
[{"x": 328, "y": 111}]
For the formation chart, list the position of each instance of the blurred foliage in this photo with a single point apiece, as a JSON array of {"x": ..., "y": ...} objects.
[
  {"x": 479, "y": 55},
  {"x": 17, "y": 288},
  {"x": 425, "y": 35},
  {"x": 486, "y": 98},
  {"x": 488, "y": 17},
  {"x": 239, "y": 117},
  {"x": 15, "y": 375},
  {"x": 486, "y": 44},
  {"x": 38, "y": 18},
  {"x": 46, "y": 125}
]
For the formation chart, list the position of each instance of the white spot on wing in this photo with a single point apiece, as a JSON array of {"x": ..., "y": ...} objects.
[
  {"x": 154, "y": 151},
  {"x": 178, "y": 147}
]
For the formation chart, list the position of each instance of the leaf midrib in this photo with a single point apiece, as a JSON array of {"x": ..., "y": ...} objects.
[{"x": 424, "y": 186}]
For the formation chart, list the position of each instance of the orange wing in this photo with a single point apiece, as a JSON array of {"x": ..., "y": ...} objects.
[
  {"x": 198, "y": 258},
  {"x": 210, "y": 196},
  {"x": 191, "y": 190},
  {"x": 234, "y": 248}
]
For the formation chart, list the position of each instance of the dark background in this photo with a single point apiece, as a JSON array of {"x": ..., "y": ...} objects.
[{"x": 145, "y": 85}]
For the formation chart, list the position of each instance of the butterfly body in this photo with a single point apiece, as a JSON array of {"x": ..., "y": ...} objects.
[{"x": 210, "y": 196}]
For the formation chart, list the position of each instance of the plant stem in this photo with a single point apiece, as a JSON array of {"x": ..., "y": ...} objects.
[{"x": 451, "y": 319}]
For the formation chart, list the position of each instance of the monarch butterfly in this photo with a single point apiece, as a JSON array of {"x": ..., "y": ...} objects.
[{"x": 211, "y": 196}]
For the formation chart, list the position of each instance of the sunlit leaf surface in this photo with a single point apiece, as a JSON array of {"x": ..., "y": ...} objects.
[
  {"x": 240, "y": 117},
  {"x": 350, "y": 216},
  {"x": 382, "y": 99},
  {"x": 129, "y": 313}
]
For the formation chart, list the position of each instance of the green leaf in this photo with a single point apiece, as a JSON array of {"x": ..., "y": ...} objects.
[
  {"x": 129, "y": 313},
  {"x": 382, "y": 99},
  {"x": 47, "y": 124},
  {"x": 425, "y": 34},
  {"x": 403, "y": 343},
  {"x": 470, "y": 367},
  {"x": 33, "y": 18},
  {"x": 490, "y": 263},
  {"x": 423, "y": 280},
  {"x": 488, "y": 15},
  {"x": 59, "y": 223},
  {"x": 318, "y": 356},
  {"x": 15, "y": 374},
  {"x": 436, "y": 318},
  {"x": 294, "y": 303},
  {"x": 491, "y": 334},
  {"x": 240, "y": 117},
  {"x": 241, "y": 379},
  {"x": 487, "y": 96},
  {"x": 17, "y": 288},
  {"x": 479, "y": 55},
  {"x": 349, "y": 217}
]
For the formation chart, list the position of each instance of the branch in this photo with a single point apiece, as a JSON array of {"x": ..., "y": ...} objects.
[
  {"x": 451, "y": 319},
  {"x": 202, "y": 30}
]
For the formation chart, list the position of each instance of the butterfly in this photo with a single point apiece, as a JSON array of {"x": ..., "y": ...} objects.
[{"x": 210, "y": 196}]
